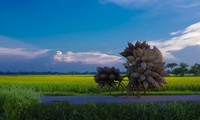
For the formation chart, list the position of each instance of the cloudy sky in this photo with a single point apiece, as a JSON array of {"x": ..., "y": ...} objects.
[{"x": 79, "y": 35}]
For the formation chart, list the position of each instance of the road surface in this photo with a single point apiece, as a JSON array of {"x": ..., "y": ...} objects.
[{"x": 119, "y": 99}]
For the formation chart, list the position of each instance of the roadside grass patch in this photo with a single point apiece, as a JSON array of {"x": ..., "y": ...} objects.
[
  {"x": 14, "y": 101},
  {"x": 94, "y": 111}
]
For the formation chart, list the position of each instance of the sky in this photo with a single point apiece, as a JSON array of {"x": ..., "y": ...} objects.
[{"x": 80, "y": 35}]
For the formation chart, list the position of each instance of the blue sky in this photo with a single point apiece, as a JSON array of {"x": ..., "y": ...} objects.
[{"x": 79, "y": 35}]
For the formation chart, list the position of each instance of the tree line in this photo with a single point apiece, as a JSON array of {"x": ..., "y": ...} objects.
[
  {"x": 45, "y": 73},
  {"x": 171, "y": 68},
  {"x": 182, "y": 69}
]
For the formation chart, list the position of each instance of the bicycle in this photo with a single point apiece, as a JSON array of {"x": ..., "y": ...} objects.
[
  {"x": 115, "y": 87},
  {"x": 119, "y": 87}
]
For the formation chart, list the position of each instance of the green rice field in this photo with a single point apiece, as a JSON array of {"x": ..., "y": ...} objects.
[{"x": 85, "y": 85}]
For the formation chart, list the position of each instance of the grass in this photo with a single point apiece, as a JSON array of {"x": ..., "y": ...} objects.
[
  {"x": 14, "y": 101},
  {"x": 31, "y": 109},
  {"x": 93, "y": 111},
  {"x": 85, "y": 85}
]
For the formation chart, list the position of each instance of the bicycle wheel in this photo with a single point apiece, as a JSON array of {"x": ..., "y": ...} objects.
[{"x": 116, "y": 89}]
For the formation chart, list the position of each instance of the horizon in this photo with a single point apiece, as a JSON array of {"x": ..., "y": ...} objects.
[{"x": 75, "y": 35}]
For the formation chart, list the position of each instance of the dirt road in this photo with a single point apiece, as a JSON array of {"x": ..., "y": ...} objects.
[{"x": 119, "y": 99}]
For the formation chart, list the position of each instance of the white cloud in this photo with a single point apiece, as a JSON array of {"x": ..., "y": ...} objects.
[
  {"x": 143, "y": 3},
  {"x": 22, "y": 52},
  {"x": 11, "y": 47},
  {"x": 124, "y": 2},
  {"x": 127, "y": 3},
  {"x": 189, "y": 6},
  {"x": 175, "y": 33},
  {"x": 190, "y": 36},
  {"x": 187, "y": 3},
  {"x": 8, "y": 42},
  {"x": 87, "y": 58}
]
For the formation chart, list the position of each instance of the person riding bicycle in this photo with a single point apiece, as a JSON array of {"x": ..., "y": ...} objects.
[{"x": 132, "y": 81}]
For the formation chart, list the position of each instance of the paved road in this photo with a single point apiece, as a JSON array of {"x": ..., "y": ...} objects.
[{"x": 119, "y": 99}]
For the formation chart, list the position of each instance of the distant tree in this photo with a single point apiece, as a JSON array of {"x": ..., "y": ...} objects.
[
  {"x": 171, "y": 66},
  {"x": 183, "y": 67},
  {"x": 195, "y": 69},
  {"x": 177, "y": 71}
]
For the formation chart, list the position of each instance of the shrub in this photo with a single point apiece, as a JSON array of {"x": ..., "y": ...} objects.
[
  {"x": 14, "y": 101},
  {"x": 57, "y": 111},
  {"x": 94, "y": 111}
]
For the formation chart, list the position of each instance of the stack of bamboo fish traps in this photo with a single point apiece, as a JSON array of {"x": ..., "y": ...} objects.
[
  {"x": 105, "y": 76},
  {"x": 146, "y": 64}
]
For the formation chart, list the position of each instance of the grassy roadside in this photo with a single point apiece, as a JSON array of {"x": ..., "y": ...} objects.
[
  {"x": 93, "y": 111},
  {"x": 17, "y": 104},
  {"x": 14, "y": 101}
]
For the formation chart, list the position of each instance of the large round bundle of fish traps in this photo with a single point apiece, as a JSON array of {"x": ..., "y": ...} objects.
[
  {"x": 106, "y": 76},
  {"x": 145, "y": 66}
]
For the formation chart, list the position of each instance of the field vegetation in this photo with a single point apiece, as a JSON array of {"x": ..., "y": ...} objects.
[
  {"x": 85, "y": 85},
  {"x": 19, "y": 99}
]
